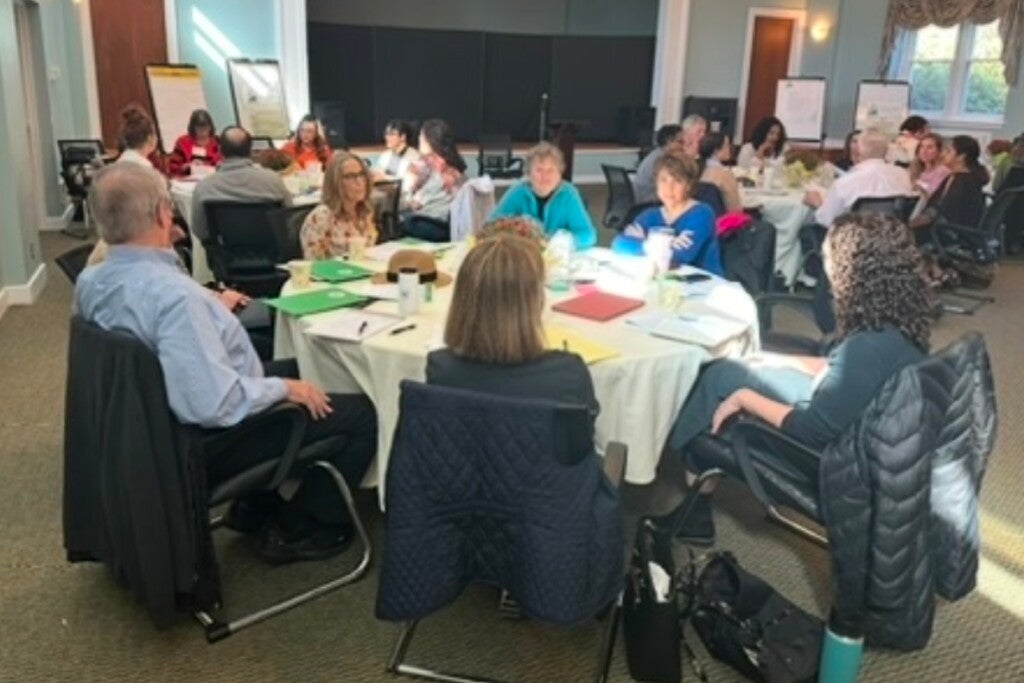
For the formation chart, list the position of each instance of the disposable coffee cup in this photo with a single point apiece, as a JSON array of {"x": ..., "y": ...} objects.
[
  {"x": 658, "y": 248},
  {"x": 301, "y": 273},
  {"x": 409, "y": 292}
]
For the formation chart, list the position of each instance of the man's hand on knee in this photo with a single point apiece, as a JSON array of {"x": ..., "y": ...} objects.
[{"x": 309, "y": 395}]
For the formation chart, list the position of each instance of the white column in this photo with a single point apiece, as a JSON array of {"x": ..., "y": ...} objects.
[
  {"x": 670, "y": 60},
  {"x": 171, "y": 30},
  {"x": 291, "y": 20},
  {"x": 89, "y": 66}
]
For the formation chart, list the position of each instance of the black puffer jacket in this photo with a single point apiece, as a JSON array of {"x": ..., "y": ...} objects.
[{"x": 899, "y": 495}]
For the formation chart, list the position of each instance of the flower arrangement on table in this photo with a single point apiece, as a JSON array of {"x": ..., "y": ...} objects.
[{"x": 804, "y": 167}]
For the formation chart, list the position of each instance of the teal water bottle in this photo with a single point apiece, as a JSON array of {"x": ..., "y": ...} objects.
[{"x": 842, "y": 648}]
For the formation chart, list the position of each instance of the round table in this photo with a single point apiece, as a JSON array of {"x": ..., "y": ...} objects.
[
  {"x": 640, "y": 391},
  {"x": 785, "y": 209}
]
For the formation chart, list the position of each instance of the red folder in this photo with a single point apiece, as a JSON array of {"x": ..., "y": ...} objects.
[{"x": 599, "y": 306}]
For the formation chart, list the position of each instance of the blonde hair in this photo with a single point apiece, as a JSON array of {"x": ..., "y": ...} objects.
[
  {"x": 334, "y": 194},
  {"x": 542, "y": 151},
  {"x": 495, "y": 315}
]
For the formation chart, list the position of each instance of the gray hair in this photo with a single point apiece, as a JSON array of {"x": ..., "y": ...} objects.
[
  {"x": 873, "y": 144},
  {"x": 692, "y": 121},
  {"x": 544, "y": 150},
  {"x": 125, "y": 200}
]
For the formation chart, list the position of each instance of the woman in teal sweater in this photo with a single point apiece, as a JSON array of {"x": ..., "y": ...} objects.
[{"x": 547, "y": 198}]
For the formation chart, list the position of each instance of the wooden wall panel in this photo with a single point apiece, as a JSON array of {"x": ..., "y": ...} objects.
[{"x": 127, "y": 35}]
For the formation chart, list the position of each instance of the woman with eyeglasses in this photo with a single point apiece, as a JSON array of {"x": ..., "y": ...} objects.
[
  {"x": 308, "y": 148},
  {"x": 198, "y": 147},
  {"x": 346, "y": 211},
  {"x": 393, "y": 163}
]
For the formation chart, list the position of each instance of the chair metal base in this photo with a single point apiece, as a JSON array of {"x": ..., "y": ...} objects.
[
  {"x": 217, "y": 630},
  {"x": 975, "y": 302},
  {"x": 790, "y": 522},
  {"x": 397, "y": 665}
]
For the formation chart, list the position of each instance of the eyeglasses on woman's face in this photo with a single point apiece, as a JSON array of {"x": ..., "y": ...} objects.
[{"x": 351, "y": 177}]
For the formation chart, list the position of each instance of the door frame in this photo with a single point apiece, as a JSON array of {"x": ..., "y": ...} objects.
[{"x": 796, "y": 52}]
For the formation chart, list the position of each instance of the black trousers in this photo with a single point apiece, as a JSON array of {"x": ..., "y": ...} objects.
[
  {"x": 425, "y": 228},
  {"x": 354, "y": 418}
]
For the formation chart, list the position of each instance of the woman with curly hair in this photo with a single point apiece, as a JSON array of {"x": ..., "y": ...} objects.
[{"x": 883, "y": 312}]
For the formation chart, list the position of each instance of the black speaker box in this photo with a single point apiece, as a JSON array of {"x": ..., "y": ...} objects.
[{"x": 635, "y": 126}]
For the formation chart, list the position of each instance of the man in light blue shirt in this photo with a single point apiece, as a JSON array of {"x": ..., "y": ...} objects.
[{"x": 212, "y": 374}]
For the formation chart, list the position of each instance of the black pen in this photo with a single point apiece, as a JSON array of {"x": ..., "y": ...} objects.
[
  {"x": 362, "y": 328},
  {"x": 404, "y": 328}
]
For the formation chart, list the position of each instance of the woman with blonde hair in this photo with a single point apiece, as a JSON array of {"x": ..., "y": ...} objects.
[
  {"x": 308, "y": 147},
  {"x": 495, "y": 334},
  {"x": 344, "y": 212},
  {"x": 927, "y": 172}
]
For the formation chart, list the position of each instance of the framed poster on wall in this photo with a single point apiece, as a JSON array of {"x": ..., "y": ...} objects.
[{"x": 258, "y": 96}]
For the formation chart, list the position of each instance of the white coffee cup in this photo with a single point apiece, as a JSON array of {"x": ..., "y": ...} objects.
[
  {"x": 301, "y": 273},
  {"x": 410, "y": 292}
]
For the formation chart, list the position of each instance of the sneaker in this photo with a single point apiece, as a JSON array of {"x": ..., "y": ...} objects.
[
  {"x": 697, "y": 529},
  {"x": 316, "y": 543}
]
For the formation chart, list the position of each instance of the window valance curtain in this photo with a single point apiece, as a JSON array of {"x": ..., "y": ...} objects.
[{"x": 912, "y": 15}]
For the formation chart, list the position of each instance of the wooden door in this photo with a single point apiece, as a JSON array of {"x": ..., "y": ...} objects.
[
  {"x": 769, "y": 61},
  {"x": 126, "y": 36}
]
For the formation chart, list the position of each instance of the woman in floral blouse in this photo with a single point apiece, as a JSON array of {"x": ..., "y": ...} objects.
[{"x": 345, "y": 212}]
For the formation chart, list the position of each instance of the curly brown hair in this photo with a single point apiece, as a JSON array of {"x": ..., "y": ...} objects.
[
  {"x": 521, "y": 226},
  {"x": 877, "y": 276}
]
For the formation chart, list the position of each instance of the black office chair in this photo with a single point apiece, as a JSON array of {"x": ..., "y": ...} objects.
[
  {"x": 73, "y": 261},
  {"x": 78, "y": 158},
  {"x": 287, "y": 226},
  {"x": 483, "y": 488},
  {"x": 621, "y": 197},
  {"x": 897, "y": 206},
  {"x": 495, "y": 159},
  {"x": 388, "y": 221},
  {"x": 930, "y": 430},
  {"x": 135, "y": 494},
  {"x": 242, "y": 248},
  {"x": 710, "y": 194}
]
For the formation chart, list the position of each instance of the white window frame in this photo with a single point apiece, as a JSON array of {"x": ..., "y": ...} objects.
[{"x": 956, "y": 95}]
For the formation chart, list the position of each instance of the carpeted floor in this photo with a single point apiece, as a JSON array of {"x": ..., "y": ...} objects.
[{"x": 61, "y": 622}]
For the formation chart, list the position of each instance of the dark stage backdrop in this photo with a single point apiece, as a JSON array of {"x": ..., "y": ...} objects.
[{"x": 479, "y": 82}]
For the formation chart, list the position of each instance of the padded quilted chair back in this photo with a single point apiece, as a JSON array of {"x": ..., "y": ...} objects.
[
  {"x": 899, "y": 494},
  {"x": 503, "y": 491}
]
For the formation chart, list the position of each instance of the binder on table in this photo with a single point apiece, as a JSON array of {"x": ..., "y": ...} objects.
[
  {"x": 317, "y": 301},
  {"x": 331, "y": 270},
  {"x": 599, "y": 306}
]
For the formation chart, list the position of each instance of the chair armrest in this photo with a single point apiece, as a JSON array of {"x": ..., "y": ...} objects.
[
  {"x": 293, "y": 417},
  {"x": 615, "y": 462},
  {"x": 746, "y": 427}
]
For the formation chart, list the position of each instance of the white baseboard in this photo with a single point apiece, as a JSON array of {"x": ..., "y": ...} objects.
[
  {"x": 5, "y": 301},
  {"x": 28, "y": 293}
]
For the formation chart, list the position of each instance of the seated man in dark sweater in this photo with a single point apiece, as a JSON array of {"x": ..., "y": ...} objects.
[{"x": 883, "y": 319}]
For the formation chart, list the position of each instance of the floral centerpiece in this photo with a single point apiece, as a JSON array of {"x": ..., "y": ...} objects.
[{"x": 803, "y": 167}]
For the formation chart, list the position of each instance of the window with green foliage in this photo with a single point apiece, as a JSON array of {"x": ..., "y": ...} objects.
[{"x": 955, "y": 72}]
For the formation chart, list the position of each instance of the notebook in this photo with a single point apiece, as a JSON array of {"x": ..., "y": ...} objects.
[
  {"x": 316, "y": 301},
  {"x": 703, "y": 330},
  {"x": 561, "y": 339},
  {"x": 599, "y": 306},
  {"x": 352, "y": 325},
  {"x": 332, "y": 270}
]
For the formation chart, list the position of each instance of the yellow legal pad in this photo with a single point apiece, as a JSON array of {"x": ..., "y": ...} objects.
[{"x": 561, "y": 339}]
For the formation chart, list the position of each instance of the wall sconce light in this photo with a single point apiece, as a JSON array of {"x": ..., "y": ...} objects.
[{"x": 819, "y": 31}]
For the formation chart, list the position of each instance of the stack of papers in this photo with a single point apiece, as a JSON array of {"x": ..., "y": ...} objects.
[
  {"x": 332, "y": 270},
  {"x": 352, "y": 326},
  {"x": 316, "y": 301},
  {"x": 561, "y": 339},
  {"x": 703, "y": 330}
]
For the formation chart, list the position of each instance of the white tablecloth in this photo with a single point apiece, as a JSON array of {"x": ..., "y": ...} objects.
[
  {"x": 640, "y": 391},
  {"x": 785, "y": 209},
  {"x": 181, "y": 194}
]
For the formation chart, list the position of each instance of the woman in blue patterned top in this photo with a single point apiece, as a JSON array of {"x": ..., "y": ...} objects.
[{"x": 692, "y": 222}]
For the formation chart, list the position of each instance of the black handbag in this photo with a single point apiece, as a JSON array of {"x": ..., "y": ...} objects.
[
  {"x": 747, "y": 624},
  {"x": 651, "y": 625}
]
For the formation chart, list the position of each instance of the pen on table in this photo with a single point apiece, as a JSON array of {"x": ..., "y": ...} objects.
[
  {"x": 404, "y": 328},
  {"x": 362, "y": 328},
  {"x": 565, "y": 344}
]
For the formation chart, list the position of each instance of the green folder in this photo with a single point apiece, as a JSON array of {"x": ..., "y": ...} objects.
[
  {"x": 316, "y": 302},
  {"x": 338, "y": 271}
]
